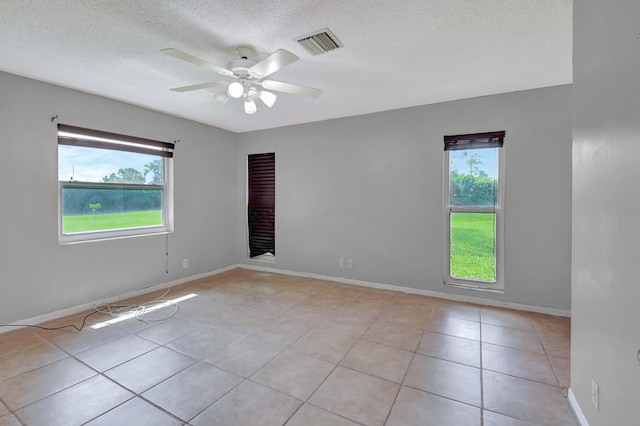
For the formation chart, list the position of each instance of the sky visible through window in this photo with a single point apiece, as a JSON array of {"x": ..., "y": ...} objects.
[{"x": 92, "y": 164}]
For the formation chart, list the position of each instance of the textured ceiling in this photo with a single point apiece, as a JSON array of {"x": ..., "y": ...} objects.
[{"x": 396, "y": 54}]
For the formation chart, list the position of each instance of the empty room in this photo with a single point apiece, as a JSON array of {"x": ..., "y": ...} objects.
[{"x": 319, "y": 213}]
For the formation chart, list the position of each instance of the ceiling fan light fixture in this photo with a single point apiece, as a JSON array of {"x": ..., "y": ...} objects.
[
  {"x": 235, "y": 90},
  {"x": 252, "y": 93},
  {"x": 268, "y": 98},
  {"x": 250, "y": 106},
  {"x": 222, "y": 98}
]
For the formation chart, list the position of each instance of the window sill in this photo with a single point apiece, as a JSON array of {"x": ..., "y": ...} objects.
[
  {"x": 474, "y": 287},
  {"x": 87, "y": 237}
]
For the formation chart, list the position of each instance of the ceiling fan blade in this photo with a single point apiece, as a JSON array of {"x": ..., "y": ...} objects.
[
  {"x": 196, "y": 61},
  {"x": 274, "y": 62},
  {"x": 293, "y": 89},
  {"x": 199, "y": 86}
]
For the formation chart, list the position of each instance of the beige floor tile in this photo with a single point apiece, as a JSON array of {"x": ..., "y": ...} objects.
[
  {"x": 514, "y": 338},
  {"x": 245, "y": 356},
  {"x": 384, "y": 297},
  {"x": 203, "y": 342},
  {"x": 406, "y": 317},
  {"x": 514, "y": 362},
  {"x": 526, "y": 400},
  {"x": 243, "y": 322},
  {"x": 463, "y": 311},
  {"x": 348, "y": 292},
  {"x": 449, "y": 379},
  {"x": 189, "y": 392},
  {"x": 356, "y": 396},
  {"x": 382, "y": 361},
  {"x": 148, "y": 370},
  {"x": 556, "y": 346},
  {"x": 507, "y": 318},
  {"x": 450, "y": 348},
  {"x": 34, "y": 385},
  {"x": 273, "y": 306},
  {"x": 9, "y": 420},
  {"x": 75, "y": 342},
  {"x": 494, "y": 419},
  {"x": 325, "y": 344},
  {"x": 136, "y": 412},
  {"x": 32, "y": 357},
  {"x": 562, "y": 368},
  {"x": 76, "y": 404},
  {"x": 17, "y": 341},
  {"x": 288, "y": 333},
  {"x": 398, "y": 336},
  {"x": 208, "y": 314},
  {"x": 294, "y": 374},
  {"x": 115, "y": 352},
  {"x": 305, "y": 314},
  {"x": 552, "y": 325},
  {"x": 454, "y": 327},
  {"x": 364, "y": 307},
  {"x": 351, "y": 323},
  {"x": 170, "y": 330},
  {"x": 414, "y": 407},
  {"x": 281, "y": 332},
  {"x": 249, "y": 404},
  {"x": 325, "y": 301},
  {"x": 308, "y": 415},
  {"x": 423, "y": 304}
]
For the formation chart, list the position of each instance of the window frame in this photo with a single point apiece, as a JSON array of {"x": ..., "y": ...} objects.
[
  {"x": 106, "y": 140},
  {"x": 499, "y": 285}
]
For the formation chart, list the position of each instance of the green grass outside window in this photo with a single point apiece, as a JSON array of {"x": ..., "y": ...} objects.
[
  {"x": 473, "y": 246},
  {"x": 110, "y": 221}
]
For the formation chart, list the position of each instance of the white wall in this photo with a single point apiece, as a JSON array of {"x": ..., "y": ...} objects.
[
  {"x": 370, "y": 188},
  {"x": 37, "y": 276},
  {"x": 606, "y": 206}
]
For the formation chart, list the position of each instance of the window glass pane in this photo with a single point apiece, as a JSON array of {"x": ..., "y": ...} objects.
[
  {"x": 473, "y": 246},
  {"x": 473, "y": 177},
  {"x": 83, "y": 164},
  {"x": 100, "y": 209}
]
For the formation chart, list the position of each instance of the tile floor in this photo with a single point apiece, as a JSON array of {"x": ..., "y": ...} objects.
[{"x": 254, "y": 348}]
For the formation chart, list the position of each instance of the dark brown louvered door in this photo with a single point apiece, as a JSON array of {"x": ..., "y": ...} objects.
[{"x": 261, "y": 203}]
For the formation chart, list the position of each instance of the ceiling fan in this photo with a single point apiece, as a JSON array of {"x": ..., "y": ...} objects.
[{"x": 249, "y": 78}]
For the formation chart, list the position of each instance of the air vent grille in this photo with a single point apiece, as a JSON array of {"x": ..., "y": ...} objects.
[{"x": 320, "y": 42}]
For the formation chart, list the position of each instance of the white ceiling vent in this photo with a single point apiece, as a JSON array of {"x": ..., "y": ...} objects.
[{"x": 320, "y": 42}]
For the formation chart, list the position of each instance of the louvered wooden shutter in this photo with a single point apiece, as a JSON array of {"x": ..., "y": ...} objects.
[{"x": 262, "y": 203}]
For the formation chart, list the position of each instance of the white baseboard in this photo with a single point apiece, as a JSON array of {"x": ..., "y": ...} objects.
[
  {"x": 114, "y": 299},
  {"x": 410, "y": 290},
  {"x": 111, "y": 299},
  {"x": 577, "y": 411}
]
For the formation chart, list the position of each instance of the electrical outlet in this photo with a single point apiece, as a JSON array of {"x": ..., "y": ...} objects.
[
  {"x": 185, "y": 263},
  {"x": 341, "y": 263},
  {"x": 595, "y": 394},
  {"x": 349, "y": 264}
]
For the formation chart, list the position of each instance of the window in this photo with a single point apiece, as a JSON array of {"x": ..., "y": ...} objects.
[
  {"x": 474, "y": 193},
  {"x": 261, "y": 205},
  {"x": 112, "y": 185}
]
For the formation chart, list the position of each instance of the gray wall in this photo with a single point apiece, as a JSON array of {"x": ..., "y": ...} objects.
[
  {"x": 37, "y": 276},
  {"x": 370, "y": 188},
  {"x": 606, "y": 202},
  {"x": 366, "y": 187}
]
